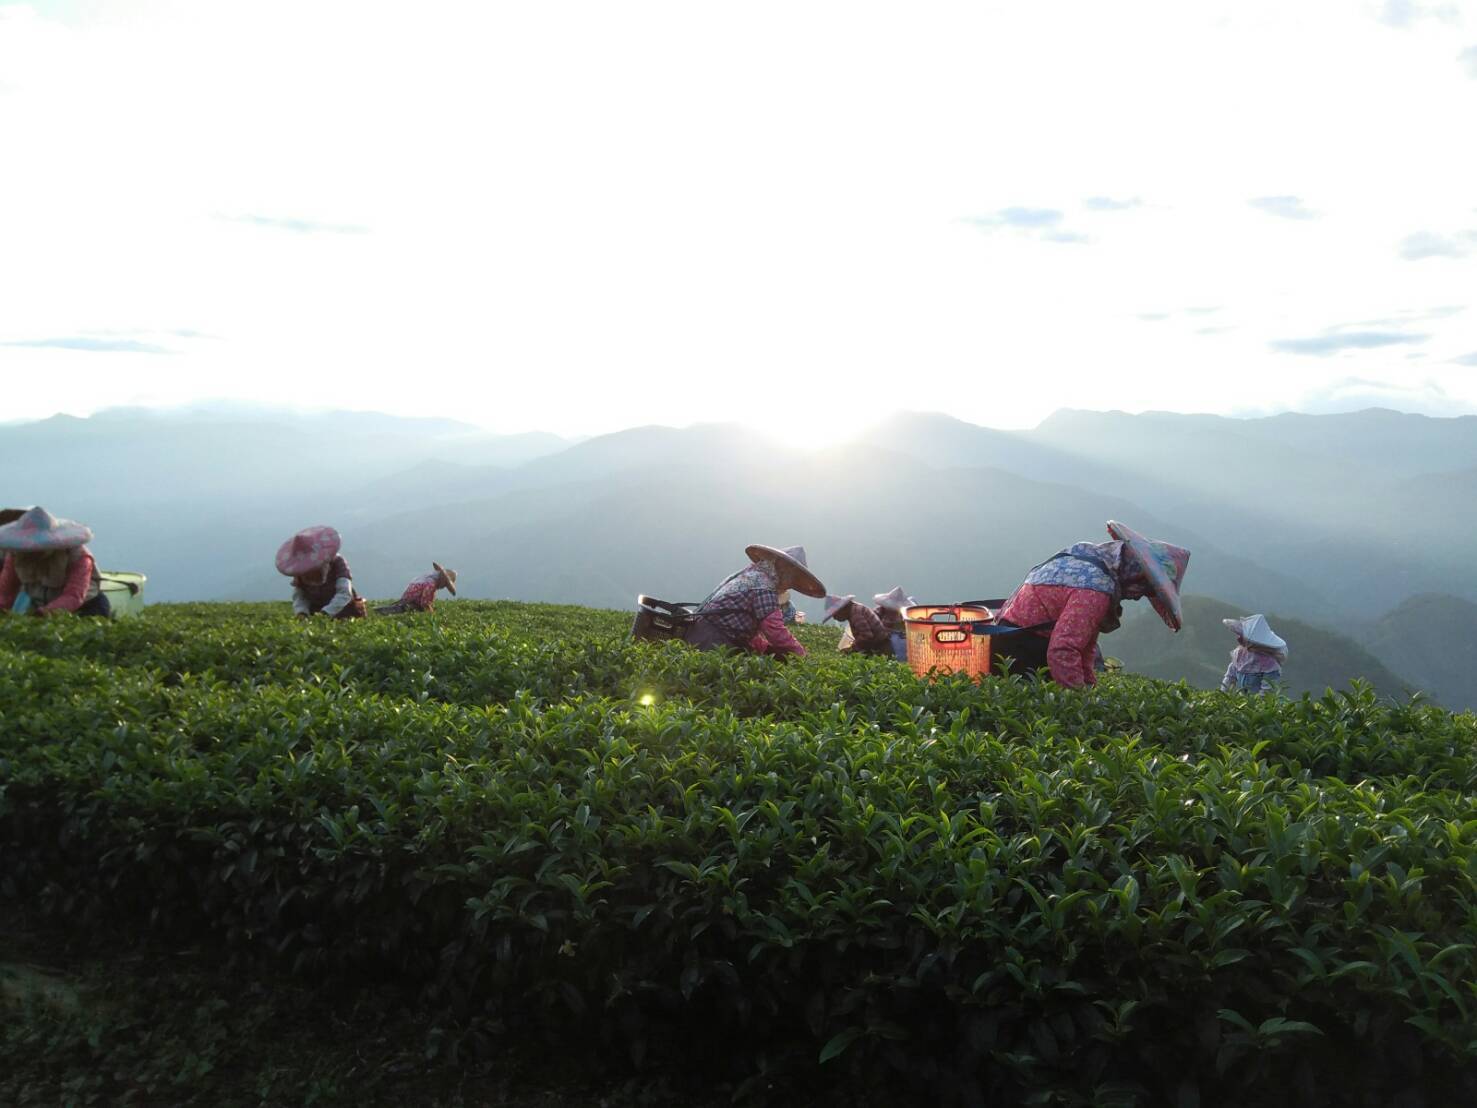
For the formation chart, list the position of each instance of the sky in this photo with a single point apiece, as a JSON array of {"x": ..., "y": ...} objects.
[{"x": 578, "y": 217}]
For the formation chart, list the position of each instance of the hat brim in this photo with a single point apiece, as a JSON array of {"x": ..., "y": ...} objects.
[
  {"x": 450, "y": 584},
  {"x": 1166, "y": 595},
  {"x": 891, "y": 600},
  {"x": 324, "y": 547},
  {"x": 66, "y": 536},
  {"x": 1269, "y": 640},
  {"x": 801, "y": 579},
  {"x": 834, "y": 604}
]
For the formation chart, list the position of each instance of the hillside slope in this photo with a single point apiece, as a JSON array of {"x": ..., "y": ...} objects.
[
  {"x": 1433, "y": 638},
  {"x": 1317, "y": 659}
]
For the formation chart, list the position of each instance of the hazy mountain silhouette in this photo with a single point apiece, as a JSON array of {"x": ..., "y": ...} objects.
[
  {"x": 1333, "y": 520},
  {"x": 1367, "y": 508},
  {"x": 1318, "y": 659},
  {"x": 1433, "y": 640}
]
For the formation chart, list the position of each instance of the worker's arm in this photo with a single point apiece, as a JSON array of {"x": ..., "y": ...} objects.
[
  {"x": 773, "y": 628},
  {"x": 74, "y": 592},
  {"x": 10, "y": 584},
  {"x": 300, "y": 605},
  {"x": 1069, "y": 654},
  {"x": 343, "y": 592}
]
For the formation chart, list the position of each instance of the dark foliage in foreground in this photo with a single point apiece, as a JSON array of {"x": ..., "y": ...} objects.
[{"x": 1003, "y": 893}]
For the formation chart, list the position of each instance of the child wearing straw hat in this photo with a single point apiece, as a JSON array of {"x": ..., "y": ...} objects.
[
  {"x": 420, "y": 594},
  {"x": 47, "y": 562},
  {"x": 1256, "y": 662},
  {"x": 321, "y": 581}
]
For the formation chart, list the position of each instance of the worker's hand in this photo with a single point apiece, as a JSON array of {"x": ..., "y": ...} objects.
[
  {"x": 303, "y": 615},
  {"x": 799, "y": 617}
]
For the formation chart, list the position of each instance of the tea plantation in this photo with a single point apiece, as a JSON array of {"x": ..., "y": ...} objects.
[{"x": 821, "y": 874}]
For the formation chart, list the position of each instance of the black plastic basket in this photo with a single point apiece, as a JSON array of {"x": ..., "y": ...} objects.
[{"x": 657, "y": 620}]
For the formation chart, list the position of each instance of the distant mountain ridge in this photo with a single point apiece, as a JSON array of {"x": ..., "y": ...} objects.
[{"x": 1336, "y": 521}]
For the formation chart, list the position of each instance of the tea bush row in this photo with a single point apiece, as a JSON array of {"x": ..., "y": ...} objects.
[
  {"x": 1000, "y": 891},
  {"x": 483, "y": 653}
]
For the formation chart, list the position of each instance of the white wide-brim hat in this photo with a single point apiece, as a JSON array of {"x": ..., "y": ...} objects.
[
  {"x": 791, "y": 559},
  {"x": 834, "y": 604},
  {"x": 1256, "y": 631},
  {"x": 897, "y": 600}
]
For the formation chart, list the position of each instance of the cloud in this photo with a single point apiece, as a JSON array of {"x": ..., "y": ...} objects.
[
  {"x": 1412, "y": 315},
  {"x": 1214, "y": 330},
  {"x": 1043, "y": 223},
  {"x": 96, "y": 345},
  {"x": 1203, "y": 311},
  {"x": 1321, "y": 346},
  {"x": 1029, "y": 217},
  {"x": 297, "y": 226},
  {"x": 1428, "y": 244},
  {"x": 1351, "y": 394},
  {"x": 1407, "y": 13},
  {"x": 1467, "y": 359},
  {"x": 1153, "y": 317},
  {"x": 1468, "y": 58},
  {"x": 1287, "y": 207},
  {"x": 1109, "y": 204}
]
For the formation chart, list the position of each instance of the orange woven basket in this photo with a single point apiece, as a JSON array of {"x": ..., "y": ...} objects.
[{"x": 942, "y": 639}]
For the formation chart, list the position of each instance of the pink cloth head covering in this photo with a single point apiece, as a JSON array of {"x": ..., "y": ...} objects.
[
  {"x": 38, "y": 529},
  {"x": 1164, "y": 566},
  {"x": 309, "y": 549}
]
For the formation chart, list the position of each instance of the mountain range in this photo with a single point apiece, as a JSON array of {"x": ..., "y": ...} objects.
[{"x": 1351, "y": 525}]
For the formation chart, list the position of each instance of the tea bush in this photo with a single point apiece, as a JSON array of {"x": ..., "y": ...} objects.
[{"x": 1000, "y": 892}]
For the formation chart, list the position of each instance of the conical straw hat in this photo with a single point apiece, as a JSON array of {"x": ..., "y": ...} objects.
[
  {"x": 449, "y": 574},
  {"x": 791, "y": 559}
]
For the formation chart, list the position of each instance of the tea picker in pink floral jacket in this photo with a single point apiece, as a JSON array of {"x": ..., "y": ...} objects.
[
  {"x": 47, "y": 562},
  {"x": 420, "y": 594},
  {"x": 1077, "y": 594}
]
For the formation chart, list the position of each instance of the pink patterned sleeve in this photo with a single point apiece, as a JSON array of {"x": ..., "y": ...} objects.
[
  {"x": 778, "y": 635},
  {"x": 1070, "y": 651},
  {"x": 74, "y": 592}
]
